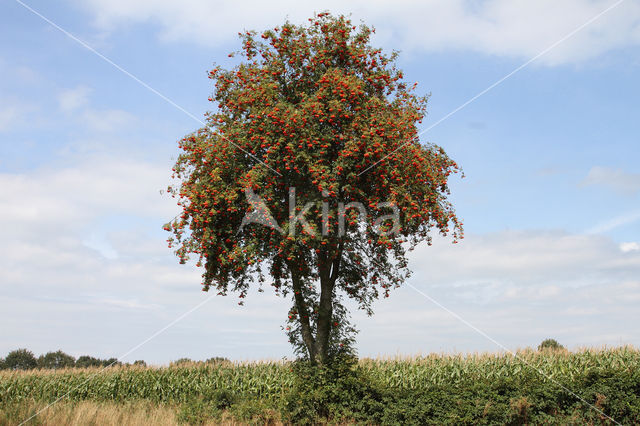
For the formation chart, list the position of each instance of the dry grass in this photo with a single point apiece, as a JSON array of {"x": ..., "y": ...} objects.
[{"x": 89, "y": 413}]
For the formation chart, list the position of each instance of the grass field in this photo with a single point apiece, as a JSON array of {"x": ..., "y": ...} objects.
[{"x": 553, "y": 387}]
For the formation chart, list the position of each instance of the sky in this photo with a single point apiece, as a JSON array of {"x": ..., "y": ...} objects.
[{"x": 535, "y": 100}]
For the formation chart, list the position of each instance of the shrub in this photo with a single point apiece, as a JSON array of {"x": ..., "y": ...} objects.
[
  {"x": 551, "y": 344},
  {"x": 197, "y": 412},
  {"x": 207, "y": 407},
  {"x": 338, "y": 390},
  {"x": 21, "y": 359},
  {"x": 182, "y": 361},
  {"x": 216, "y": 360}
]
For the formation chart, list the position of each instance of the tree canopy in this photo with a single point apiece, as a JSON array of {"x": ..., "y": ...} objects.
[
  {"x": 310, "y": 176},
  {"x": 55, "y": 360},
  {"x": 20, "y": 359}
]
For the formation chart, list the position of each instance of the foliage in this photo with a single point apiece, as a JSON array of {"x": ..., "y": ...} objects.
[
  {"x": 86, "y": 361},
  {"x": 55, "y": 360},
  {"x": 140, "y": 363},
  {"x": 551, "y": 344},
  {"x": 3, "y": 364},
  {"x": 216, "y": 360},
  {"x": 182, "y": 361},
  {"x": 206, "y": 407},
  {"x": 336, "y": 389},
  {"x": 111, "y": 362},
  {"x": 21, "y": 359},
  {"x": 437, "y": 389},
  {"x": 312, "y": 119}
]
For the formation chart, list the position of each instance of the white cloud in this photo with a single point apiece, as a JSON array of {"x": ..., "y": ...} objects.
[
  {"x": 613, "y": 223},
  {"x": 631, "y": 246},
  {"x": 63, "y": 286},
  {"x": 72, "y": 99},
  {"x": 8, "y": 116},
  {"x": 110, "y": 120},
  {"x": 517, "y": 28},
  {"x": 14, "y": 113},
  {"x": 616, "y": 179},
  {"x": 76, "y": 101},
  {"x": 519, "y": 287}
]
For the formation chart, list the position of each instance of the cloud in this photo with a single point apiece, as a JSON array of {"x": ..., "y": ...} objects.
[
  {"x": 14, "y": 114},
  {"x": 514, "y": 28},
  {"x": 631, "y": 246},
  {"x": 616, "y": 179},
  {"x": 61, "y": 223},
  {"x": 85, "y": 267},
  {"x": 71, "y": 99},
  {"x": 517, "y": 286},
  {"x": 613, "y": 223},
  {"x": 8, "y": 116},
  {"x": 540, "y": 260},
  {"x": 110, "y": 120},
  {"x": 76, "y": 101}
]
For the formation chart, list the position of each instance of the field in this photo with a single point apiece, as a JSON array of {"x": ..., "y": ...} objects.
[{"x": 552, "y": 387}]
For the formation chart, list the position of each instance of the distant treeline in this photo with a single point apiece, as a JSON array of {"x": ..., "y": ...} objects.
[{"x": 24, "y": 359}]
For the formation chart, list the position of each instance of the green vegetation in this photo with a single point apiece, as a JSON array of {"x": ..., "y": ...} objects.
[
  {"x": 436, "y": 389},
  {"x": 20, "y": 359},
  {"x": 550, "y": 344},
  {"x": 56, "y": 360}
]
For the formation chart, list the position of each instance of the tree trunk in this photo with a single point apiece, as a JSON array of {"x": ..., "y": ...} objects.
[
  {"x": 303, "y": 315},
  {"x": 328, "y": 275},
  {"x": 325, "y": 313},
  {"x": 318, "y": 346}
]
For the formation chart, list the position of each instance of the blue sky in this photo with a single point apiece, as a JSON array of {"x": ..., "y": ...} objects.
[{"x": 550, "y": 200}]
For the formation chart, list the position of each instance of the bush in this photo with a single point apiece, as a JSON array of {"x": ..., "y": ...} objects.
[
  {"x": 338, "y": 390},
  {"x": 21, "y": 359},
  {"x": 216, "y": 360},
  {"x": 181, "y": 361},
  {"x": 55, "y": 360},
  {"x": 197, "y": 412},
  {"x": 550, "y": 344},
  {"x": 140, "y": 363},
  {"x": 206, "y": 408}
]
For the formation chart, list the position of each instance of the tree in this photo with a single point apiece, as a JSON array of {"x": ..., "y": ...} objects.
[
  {"x": 21, "y": 359},
  {"x": 3, "y": 365},
  {"x": 310, "y": 171},
  {"x": 87, "y": 361},
  {"x": 55, "y": 360},
  {"x": 111, "y": 362}
]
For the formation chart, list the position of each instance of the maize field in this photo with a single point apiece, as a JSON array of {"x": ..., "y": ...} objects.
[{"x": 270, "y": 380}]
